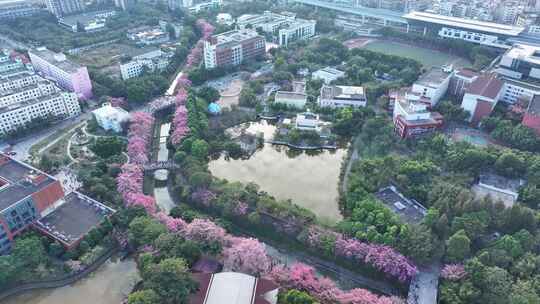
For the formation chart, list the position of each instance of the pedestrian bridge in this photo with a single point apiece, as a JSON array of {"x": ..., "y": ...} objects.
[{"x": 169, "y": 165}]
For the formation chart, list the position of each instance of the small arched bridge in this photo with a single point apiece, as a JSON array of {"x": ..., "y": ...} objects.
[{"x": 169, "y": 165}]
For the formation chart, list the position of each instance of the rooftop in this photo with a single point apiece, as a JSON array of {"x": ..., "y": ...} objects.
[
  {"x": 482, "y": 26},
  {"x": 486, "y": 86},
  {"x": 233, "y": 37},
  {"x": 57, "y": 59},
  {"x": 19, "y": 181},
  {"x": 534, "y": 106},
  {"x": 233, "y": 288},
  {"x": 408, "y": 209},
  {"x": 290, "y": 95},
  {"x": 433, "y": 78},
  {"x": 500, "y": 182},
  {"x": 70, "y": 221},
  {"x": 524, "y": 52},
  {"x": 343, "y": 92}
]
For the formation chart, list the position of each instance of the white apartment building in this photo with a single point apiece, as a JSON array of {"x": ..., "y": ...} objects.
[
  {"x": 515, "y": 90},
  {"x": 111, "y": 118},
  {"x": 521, "y": 61},
  {"x": 25, "y": 96},
  {"x": 286, "y": 25},
  {"x": 155, "y": 60},
  {"x": 430, "y": 87},
  {"x": 342, "y": 96}
]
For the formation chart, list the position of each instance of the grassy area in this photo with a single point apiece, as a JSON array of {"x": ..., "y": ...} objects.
[{"x": 427, "y": 57}]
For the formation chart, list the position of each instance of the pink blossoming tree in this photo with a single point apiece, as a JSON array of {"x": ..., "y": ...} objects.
[
  {"x": 246, "y": 255},
  {"x": 453, "y": 272}
]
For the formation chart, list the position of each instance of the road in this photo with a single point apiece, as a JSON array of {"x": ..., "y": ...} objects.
[
  {"x": 22, "y": 146},
  {"x": 12, "y": 43}
]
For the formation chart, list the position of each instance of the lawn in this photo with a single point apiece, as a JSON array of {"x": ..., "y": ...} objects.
[{"x": 427, "y": 57}]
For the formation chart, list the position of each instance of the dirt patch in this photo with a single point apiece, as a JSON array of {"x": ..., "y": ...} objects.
[
  {"x": 357, "y": 43},
  {"x": 231, "y": 94}
]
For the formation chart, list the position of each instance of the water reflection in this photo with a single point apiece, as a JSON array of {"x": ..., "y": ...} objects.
[
  {"x": 308, "y": 178},
  {"x": 108, "y": 285}
]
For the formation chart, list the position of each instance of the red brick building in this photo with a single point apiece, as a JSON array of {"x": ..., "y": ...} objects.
[
  {"x": 232, "y": 48},
  {"x": 413, "y": 118},
  {"x": 531, "y": 117}
]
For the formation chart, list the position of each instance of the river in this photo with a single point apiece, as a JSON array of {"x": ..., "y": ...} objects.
[
  {"x": 309, "y": 179},
  {"x": 110, "y": 284}
]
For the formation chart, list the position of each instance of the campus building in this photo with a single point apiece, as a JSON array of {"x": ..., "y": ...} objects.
[
  {"x": 520, "y": 62},
  {"x": 151, "y": 60},
  {"x": 61, "y": 8},
  {"x": 531, "y": 118},
  {"x": 16, "y": 9},
  {"x": 111, "y": 118},
  {"x": 481, "y": 97},
  {"x": 413, "y": 118},
  {"x": 25, "y": 96},
  {"x": 430, "y": 87},
  {"x": 459, "y": 82},
  {"x": 517, "y": 91},
  {"x": 342, "y": 96},
  {"x": 148, "y": 35},
  {"x": 233, "y": 287},
  {"x": 67, "y": 74},
  {"x": 31, "y": 198},
  {"x": 287, "y": 27},
  {"x": 232, "y": 48},
  {"x": 479, "y": 32},
  {"x": 295, "y": 99}
]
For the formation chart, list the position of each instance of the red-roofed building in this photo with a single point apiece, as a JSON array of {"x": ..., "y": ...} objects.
[
  {"x": 460, "y": 81},
  {"x": 481, "y": 97},
  {"x": 531, "y": 118}
]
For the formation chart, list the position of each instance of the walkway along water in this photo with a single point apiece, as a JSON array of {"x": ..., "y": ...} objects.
[{"x": 59, "y": 282}]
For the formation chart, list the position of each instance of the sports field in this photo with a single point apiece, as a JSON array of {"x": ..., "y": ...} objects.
[{"x": 426, "y": 56}]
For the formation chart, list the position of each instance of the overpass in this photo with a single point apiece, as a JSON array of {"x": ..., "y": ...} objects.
[{"x": 381, "y": 16}]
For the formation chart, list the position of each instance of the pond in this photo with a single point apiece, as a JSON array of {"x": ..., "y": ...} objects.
[
  {"x": 110, "y": 284},
  {"x": 309, "y": 179}
]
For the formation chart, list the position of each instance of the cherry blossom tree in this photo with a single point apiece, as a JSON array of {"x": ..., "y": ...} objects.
[
  {"x": 453, "y": 272},
  {"x": 203, "y": 196},
  {"x": 180, "y": 123},
  {"x": 145, "y": 201},
  {"x": 205, "y": 231},
  {"x": 130, "y": 180},
  {"x": 173, "y": 224},
  {"x": 246, "y": 255}
]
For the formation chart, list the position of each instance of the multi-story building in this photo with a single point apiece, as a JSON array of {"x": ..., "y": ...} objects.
[
  {"x": 431, "y": 86},
  {"x": 342, "y": 96},
  {"x": 24, "y": 97},
  {"x": 9, "y": 62},
  {"x": 520, "y": 62},
  {"x": 508, "y": 11},
  {"x": 413, "y": 118},
  {"x": 459, "y": 82},
  {"x": 531, "y": 117},
  {"x": 233, "y": 47},
  {"x": 517, "y": 91},
  {"x": 154, "y": 60},
  {"x": 287, "y": 27},
  {"x": 474, "y": 31},
  {"x": 61, "y": 8},
  {"x": 67, "y": 74},
  {"x": 481, "y": 97},
  {"x": 17, "y": 8},
  {"x": 31, "y": 198},
  {"x": 111, "y": 118},
  {"x": 194, "y": 6}
]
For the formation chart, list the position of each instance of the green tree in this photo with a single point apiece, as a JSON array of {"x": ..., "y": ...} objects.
[
  {"x": 294, "y": 296},
  {"x": 199, "y": 149},
  {"x": 458, "y": 246},
  {"x": 147, "y": 296},
  {"x": 144, "y": 230},
  {"x": 29, "y": 251},
  {"x": 171, "y": 281},
  {"x": 106, "y": 147}
]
